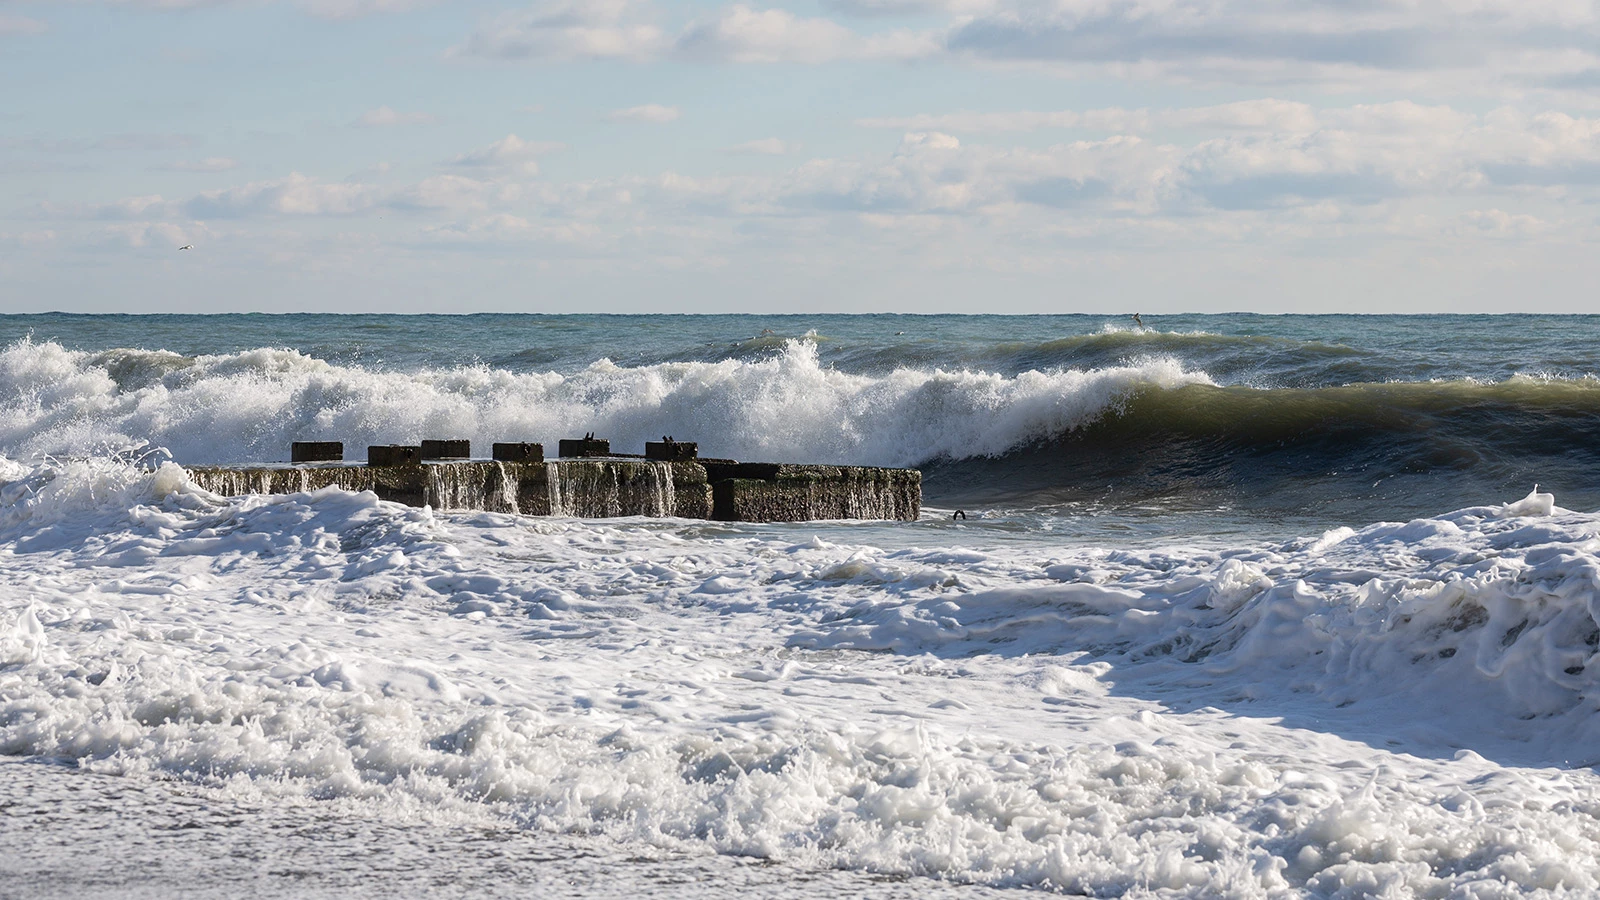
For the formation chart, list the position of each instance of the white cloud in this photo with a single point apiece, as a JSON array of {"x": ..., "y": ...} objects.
[
  {"x": 741, "y": 34},
  {"x": 928, "y": 140},
  {"x": 31, "y": 239},
  {"x": 163, "y": 235},
  {"x": 293, "y": 195},
  {"x": 453, "y": 193},
  {"x": 907, "y": 7},
  {"x": 16, "y": 25},
  {"x": 1266, "y": 115},
  {"x": 507, "y": 228},
  {"x": 350, "y": 9},
  {"x": 1496, "y": 44},
  {"x": 559, "y": 30},
  {"x": 651, "y": 113},
  {"x": 303, "y": 196},
  {"x": 209, "y": 164},
  {"x": 327, "y": 9},
  {"x": 993, "y": 122},
  {"x": 1498, "y": 47},
  {"x": 1501, "y": 224},
  {"x": 1364, "y": 176},
  {"x": 385, "y": 116},
  {"x": 765, "y": 147},
  {"x": 510, "y": 153},
  {"x": 623, "y": 29}
]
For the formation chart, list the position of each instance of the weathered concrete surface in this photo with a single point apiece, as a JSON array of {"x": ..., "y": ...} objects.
[
  {"x": 671, "y": 450},
  {"x": 765, "y": 492},
  {"x": 523, "y": 451},
  {"x": 447, "y": 449},
  {"x": 605, "y": 488},
  {"x": 583, "y": 447},
  {"x": 316, "y": 451},
  {"x": 394, "y": 455}
]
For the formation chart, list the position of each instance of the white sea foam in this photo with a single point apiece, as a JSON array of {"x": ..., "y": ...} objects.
[
  {"x": 250, "y": 406},
  {"x": 1247, "y": 723}
]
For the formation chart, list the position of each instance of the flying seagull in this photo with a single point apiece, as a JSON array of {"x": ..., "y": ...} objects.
[
  {"x": 187, "y": 247},
  {"x": 1137, "y": 321}
]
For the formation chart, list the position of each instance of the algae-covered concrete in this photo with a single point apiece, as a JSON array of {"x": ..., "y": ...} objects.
[
  {"x": 764, "y": 492},
  {"x": 606, "y": 488}
]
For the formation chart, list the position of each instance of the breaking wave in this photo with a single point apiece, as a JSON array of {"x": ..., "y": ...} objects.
[
  {"x": 786, "y": 407},
  {"x": 1145, "y": 427}
]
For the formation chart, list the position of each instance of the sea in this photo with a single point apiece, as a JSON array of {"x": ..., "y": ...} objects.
[{"x": 1197, "y": 606}]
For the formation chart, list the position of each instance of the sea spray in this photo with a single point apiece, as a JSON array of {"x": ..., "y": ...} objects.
[{"x": 249, "y": 407}]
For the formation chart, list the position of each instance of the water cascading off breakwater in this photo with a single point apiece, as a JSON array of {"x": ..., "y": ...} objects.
[{"x": 606, "y": 487}]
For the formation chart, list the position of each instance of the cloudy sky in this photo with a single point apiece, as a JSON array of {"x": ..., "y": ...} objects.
[{"x": 814, "y": 155}]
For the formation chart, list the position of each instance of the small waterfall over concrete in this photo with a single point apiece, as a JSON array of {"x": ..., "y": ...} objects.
[
  {"x": 234, "y": 482},
  {"x": 869, "y": 499},
  {"x": 598, "y": 489},
  {"x": 660, "y": 474},
  {"x": 603, "y": 488},
  {"x": 485, "y": 487}
]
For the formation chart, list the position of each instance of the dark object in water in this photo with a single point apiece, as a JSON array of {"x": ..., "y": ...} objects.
[
  {"x": 669, "y": 450},
  {"x": 519, "y": 452},
  {"x": 394, "y": 455},
  {"x": 959, "y": 514},
  {"x": 316, "y": 451},
  {"x": 456, "y": 449},
  {"x": 587, "y": 446}
]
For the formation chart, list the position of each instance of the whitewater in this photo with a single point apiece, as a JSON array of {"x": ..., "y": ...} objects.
[{"x": 323, "y": 694}]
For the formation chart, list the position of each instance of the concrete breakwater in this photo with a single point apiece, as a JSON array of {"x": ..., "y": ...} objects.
[{"x": 603, "y": 487}]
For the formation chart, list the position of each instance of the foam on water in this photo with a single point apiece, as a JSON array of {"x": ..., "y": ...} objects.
[
  {"x": 1252, "y": 722},
  {"x": 249, "y": 406}
]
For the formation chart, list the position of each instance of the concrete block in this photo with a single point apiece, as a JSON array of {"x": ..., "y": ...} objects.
[
  {"x": 520, "y": 452},
  {"x": 455, "y": 449},
  {"x": 766, "y": 492},
  {"x": 719, "y": 469},
  {"x": 316, "y": 451},
  {"x": 394, "y": 455},
  {"x": 738, "y": 492},
  {"x": 669, "y": 450},
  {"x": 587, "y": 446}
]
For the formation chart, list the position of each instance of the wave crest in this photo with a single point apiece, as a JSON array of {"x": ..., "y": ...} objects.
[{"x": 249, "y": 406}]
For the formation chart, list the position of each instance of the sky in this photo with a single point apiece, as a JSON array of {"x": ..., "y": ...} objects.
[{"x": 984, "y": 156}]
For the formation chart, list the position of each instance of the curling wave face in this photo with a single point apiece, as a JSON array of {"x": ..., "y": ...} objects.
[
  {"x": 1351, "y": 453},
  {"x": 1095, "y": 721}
]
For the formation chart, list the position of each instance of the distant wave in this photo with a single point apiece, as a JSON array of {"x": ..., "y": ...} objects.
[{"x": 1253, "y": 359}]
